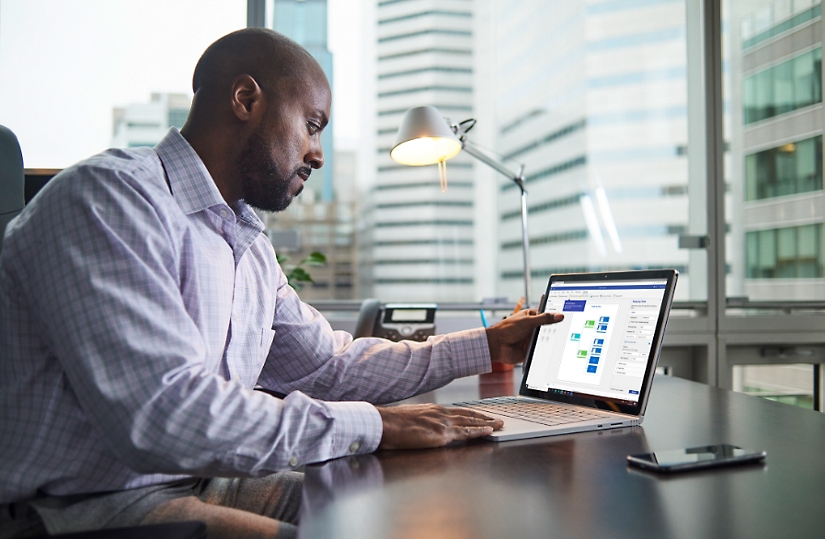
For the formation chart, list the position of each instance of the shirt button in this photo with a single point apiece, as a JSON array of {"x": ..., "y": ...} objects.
[
  {"x": 353, "y": 447},
  {"x": 293, "y": 461},
  {"x": 224, "y": 213}
]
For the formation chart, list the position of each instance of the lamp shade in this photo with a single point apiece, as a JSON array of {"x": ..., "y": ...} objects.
[{"x": 424, "y": 138}]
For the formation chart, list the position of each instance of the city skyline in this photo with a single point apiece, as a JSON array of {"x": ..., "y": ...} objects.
[{"x": 605, "y": 142}]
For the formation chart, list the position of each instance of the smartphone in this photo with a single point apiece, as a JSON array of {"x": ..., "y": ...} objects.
[{"x": 693, "y": 458}]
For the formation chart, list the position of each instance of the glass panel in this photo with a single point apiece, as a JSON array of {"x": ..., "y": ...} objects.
[
  {"x": 808, "y": 253},
  {"x": 592, "y": 98},
  {"x": 786, "y": 259},
  {"x": 774, "y": 124},
  {"x": 767, "y": 253},
  {"x": 789, "y": 384},
  {"x": 792, "y": 168},
  {"x": 802, "y": 74},
  {"x": 789, "y": 253},
  {"x": 789, "y": 85},
  {"x": 808, "y": 165},
  {"x": 783, "y": 88},
  {"x": 765, "y": 107},
  {"x": 99, "y": 73},
  {"x": 596, "y": 107}
]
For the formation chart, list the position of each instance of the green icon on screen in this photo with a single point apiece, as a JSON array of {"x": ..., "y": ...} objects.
[
  {"x": 589, "y": 324},
  {"x": 582, "y": 353}
]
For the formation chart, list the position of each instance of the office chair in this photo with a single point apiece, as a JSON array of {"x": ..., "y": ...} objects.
[
  {"x": 12, "y": 180},
  {"x": 12, "y": 200}
]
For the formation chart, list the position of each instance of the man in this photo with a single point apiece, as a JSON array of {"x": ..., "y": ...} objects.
[{"x": 140, "y": 304}]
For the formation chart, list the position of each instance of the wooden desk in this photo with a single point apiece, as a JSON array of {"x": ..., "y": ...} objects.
[{"x": 578, "y": 485}]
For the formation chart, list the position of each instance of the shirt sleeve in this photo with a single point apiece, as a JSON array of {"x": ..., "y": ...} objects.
[
  {"x": 101, "y": 271},
  {"x": 307, "y": 355}
]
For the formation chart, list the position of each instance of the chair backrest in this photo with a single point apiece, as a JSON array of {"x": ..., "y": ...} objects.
[{"x": 12, "y": 179}]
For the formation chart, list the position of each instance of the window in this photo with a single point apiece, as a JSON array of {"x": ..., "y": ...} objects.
[
  {"x": 792, "y": 168},
  {"x": 775, "y": 163},
  {"x": 177, "y": 117},
  {"x": 789, "y": 384},
  {"x": 786, "y": 253},
  {"x": 604, "y": 102},
  {"x": 772, "y": 52},
  {"x": 787, "y": 86},
  {"x": 102, "y": 73}
]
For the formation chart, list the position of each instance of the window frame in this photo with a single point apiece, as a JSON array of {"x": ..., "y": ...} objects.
[{"x": 722, "y": 331}]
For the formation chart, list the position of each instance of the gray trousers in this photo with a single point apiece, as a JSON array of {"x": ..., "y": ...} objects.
[{"x": 231, "y": 507}]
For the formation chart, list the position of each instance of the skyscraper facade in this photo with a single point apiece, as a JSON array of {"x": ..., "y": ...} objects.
[
  {"x": 776, "y": 134},
  {"x": 419, "y": 241},
  {"x": 305, "y": 21},
  {"x": 594, "y": 103},
  {"x": 322, "y": 219}
]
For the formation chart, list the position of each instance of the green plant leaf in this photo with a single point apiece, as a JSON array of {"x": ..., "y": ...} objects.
[
  {"x": 299, "y": 275},
  {"x": 281, "y": 258},
  {"x": 314, "y": 259}
]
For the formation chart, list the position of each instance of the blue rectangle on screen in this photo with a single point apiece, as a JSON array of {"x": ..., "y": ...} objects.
[
  {"x": 594, "y": 360},
  {"x": 596, "y": 350},
  {"x": 604, "y": 319},
  {"x": 633, "y": 392},
  {"x": 574, "y": 305},
  {"x": 591, "y": 368},
  {"x": 598, "y": 341}
]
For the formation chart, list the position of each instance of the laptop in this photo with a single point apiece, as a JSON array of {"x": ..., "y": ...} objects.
[{"x": 593, "y": 370}]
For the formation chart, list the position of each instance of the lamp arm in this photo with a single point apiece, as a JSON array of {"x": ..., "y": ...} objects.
[{"x": 517, "y": 177}]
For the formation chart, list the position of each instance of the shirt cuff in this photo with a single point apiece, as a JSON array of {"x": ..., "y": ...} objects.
[
  {"x": 470, "y": 352},
  {"x": 358, "y": 428}
]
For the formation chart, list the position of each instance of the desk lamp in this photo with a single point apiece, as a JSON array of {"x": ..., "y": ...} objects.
[{"x": 427, "y": 138}]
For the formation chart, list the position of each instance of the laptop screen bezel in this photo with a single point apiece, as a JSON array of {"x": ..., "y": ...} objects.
[{"x": 598, "y": 401}]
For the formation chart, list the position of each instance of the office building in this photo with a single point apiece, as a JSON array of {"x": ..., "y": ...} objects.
[
  {"x": 776, "y": 170},
  {"x": 305, "y": 21},
  {"x": 307, "y": 226},
  {"x": 778, "y": 206},
  {"x": 145, "y": 124},
  {"x": 594, "y": 103},
  {"x": 420, "y": 243},
  {"x": 321, "y": 219},
  {"x": 590, "y": 96}
]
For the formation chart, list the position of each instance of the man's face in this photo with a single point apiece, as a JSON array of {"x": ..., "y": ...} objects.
[{"x": 280, "y": 155}]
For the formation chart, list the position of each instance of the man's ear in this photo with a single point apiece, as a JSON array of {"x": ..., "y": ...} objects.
[{"x": 247, "y": 98}]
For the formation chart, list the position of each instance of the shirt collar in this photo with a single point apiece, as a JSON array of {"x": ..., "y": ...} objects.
[{"x": 190, "y": 181}]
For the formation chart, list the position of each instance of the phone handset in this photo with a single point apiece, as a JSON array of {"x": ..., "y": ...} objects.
[{"x": 367, "y": 318}]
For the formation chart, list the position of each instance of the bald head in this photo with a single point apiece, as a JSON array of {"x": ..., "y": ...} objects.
[
  {"x": 261, "y": 102},
  {"x": 276, "y": 62}
]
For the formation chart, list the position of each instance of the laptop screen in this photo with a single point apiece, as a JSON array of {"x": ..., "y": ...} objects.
[{"x": 602, "y": 347}]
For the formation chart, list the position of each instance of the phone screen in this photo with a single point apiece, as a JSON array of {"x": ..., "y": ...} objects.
[{"x": 695, "y": 457}]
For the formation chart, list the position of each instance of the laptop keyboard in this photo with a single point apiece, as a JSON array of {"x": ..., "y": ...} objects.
[{"x": 543, "y": 413}]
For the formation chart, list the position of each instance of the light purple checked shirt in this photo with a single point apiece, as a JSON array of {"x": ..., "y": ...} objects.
[{"x": 134, "y": 324}]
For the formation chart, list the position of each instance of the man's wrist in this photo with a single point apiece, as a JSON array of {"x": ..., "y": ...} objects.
[
  {"x": 494, "y": 343},
  {"x": 469, "y": 351}
]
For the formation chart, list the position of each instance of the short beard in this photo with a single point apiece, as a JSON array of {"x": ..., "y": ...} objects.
[{"x": 265, "y": 187}]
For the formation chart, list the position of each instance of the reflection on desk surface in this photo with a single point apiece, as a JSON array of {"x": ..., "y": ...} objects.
[
  {"x": 478, "y": 489},
  {"x": 579, "y": 485}
]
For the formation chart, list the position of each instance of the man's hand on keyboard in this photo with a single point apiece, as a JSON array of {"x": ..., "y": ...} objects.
[
  {"x": 412, "y": 426},
  {"x": 510, "y": 338}
]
